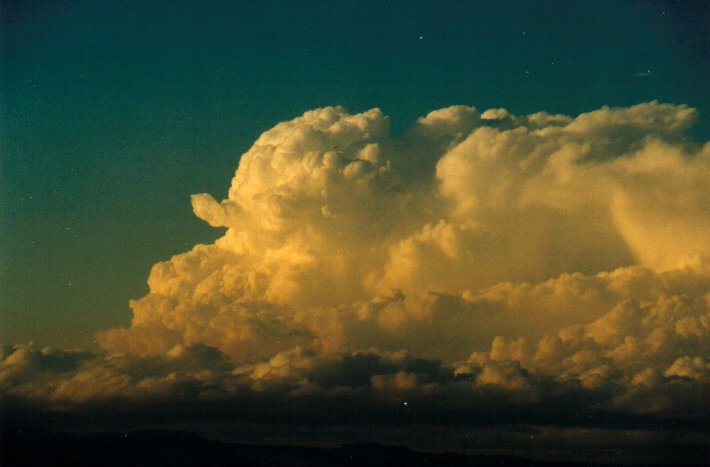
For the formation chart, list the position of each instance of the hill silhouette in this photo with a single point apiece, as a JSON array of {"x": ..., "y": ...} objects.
[{"x": 20, "y": 446}]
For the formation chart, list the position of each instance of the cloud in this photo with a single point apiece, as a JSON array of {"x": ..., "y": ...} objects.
[{"x": 477, "y": 261}]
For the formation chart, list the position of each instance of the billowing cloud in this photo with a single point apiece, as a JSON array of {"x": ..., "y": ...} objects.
[{"x": 477, "y": 261}]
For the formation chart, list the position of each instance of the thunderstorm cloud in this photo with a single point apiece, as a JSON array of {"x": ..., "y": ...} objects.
[{"x": 477, "y": 261}]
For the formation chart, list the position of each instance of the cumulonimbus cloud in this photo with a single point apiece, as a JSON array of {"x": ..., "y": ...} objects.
[{"x": 503, "y": 257}]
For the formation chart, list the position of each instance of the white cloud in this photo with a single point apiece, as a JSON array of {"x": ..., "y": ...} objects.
[{"x": 532, "y": 255}]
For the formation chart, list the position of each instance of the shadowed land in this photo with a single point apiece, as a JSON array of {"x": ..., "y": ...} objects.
[{"x": 22, "y": 446}]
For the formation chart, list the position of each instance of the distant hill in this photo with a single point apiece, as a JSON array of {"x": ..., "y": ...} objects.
[{"x": 22, "y": 447}]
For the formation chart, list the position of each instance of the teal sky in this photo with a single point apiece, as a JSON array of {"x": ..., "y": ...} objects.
[{"x": 113, "y": 113}]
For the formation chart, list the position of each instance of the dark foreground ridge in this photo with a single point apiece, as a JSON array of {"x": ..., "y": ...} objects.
[{"x": 159, "y": 447}]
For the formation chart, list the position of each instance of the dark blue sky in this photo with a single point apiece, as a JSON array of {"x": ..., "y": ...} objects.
[{"x": 113, "y": 113}]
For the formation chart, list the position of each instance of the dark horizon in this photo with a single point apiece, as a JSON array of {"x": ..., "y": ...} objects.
[{"x": 22, "y": 445}]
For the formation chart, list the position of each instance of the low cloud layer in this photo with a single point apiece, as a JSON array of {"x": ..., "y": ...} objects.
[{"x": 478, "y": 262}]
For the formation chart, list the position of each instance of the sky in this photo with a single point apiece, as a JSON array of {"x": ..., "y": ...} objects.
[{"x": 429, "y": 195}]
